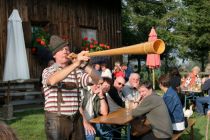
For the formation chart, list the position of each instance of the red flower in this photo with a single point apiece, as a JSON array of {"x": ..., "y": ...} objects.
[
  {"x": 102, "y": 45},
  {"x": 85, "y": 38},
  {"x": 91, "y": 46},
  {"x": 38, "y": 40},
  {"x": 42, "y": 42},
  {"x": 95, "y": 42}
]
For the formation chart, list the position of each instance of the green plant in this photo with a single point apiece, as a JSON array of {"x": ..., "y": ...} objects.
[
  {"x": 40, "y": 40},
  {"x": 93, "y": 45}
]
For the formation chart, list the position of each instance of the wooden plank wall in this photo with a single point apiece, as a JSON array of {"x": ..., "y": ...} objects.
[{"x": 64, "y": 17}]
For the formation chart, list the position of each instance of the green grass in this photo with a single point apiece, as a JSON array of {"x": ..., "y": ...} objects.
[
  {"x": 199, "y": 128},
  {"x": 30, "y": 126}
]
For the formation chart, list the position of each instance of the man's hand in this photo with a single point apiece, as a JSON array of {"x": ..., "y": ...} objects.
[
  {"x": 100, "y": 91},
  {"x": 89, "y": 129},
  {"x": 208, "y": 113},
  {"x": 82, "y": 56},
  {"x": 203, "y": 80},
  {"x": 135, "y": 85}
]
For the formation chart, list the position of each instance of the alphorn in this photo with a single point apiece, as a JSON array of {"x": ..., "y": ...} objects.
[{"x": 151, "y": 47}]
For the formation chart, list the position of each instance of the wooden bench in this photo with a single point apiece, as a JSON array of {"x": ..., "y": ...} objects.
[
  {"x": 189, "y": 129},
  {"x": 19, "y": 96}
]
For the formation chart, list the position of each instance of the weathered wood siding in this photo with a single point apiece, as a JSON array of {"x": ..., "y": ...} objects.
[{"x": 63, "y": 17}]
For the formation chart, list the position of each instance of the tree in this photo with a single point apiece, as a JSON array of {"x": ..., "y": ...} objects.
[
  {"x": 184, "y": 26},
  {"x": 138, "y": 18},
  {"x": 197, "y": 29}
]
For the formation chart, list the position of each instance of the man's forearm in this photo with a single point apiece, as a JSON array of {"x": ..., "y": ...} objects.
[
  {"x": 103, "y": 106},
  {"x": 93, "y": 74},
  {"x": 62, "y": 74}
]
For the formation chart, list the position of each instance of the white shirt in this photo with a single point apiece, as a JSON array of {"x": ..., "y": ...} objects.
[{"x": 106, "y": 73}]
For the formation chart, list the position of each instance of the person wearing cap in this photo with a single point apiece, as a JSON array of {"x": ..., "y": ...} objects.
[{"x": 62, "y": 84}]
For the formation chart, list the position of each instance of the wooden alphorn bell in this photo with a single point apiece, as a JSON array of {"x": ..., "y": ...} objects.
[{"x": 151, "y": 47}]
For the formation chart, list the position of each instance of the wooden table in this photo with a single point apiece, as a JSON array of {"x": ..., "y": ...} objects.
[
  {"x": 119, "y": 117},
  {"x": 187, "y": 95}
]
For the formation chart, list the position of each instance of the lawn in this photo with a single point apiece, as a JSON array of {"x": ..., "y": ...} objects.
[{"x": 30, "y": 126}]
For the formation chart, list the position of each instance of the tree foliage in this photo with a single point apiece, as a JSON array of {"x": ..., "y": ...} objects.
[{"x": 184, "y": 26}]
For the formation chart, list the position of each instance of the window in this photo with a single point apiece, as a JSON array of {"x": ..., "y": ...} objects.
[{"x": 89, "y": 33}]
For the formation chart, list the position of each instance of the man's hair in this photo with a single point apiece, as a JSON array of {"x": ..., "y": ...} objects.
[
  {"x": 134, "y": 75},
  {"x": 196, "y": 68},
  {"x": 146, "y": 84},
  {"x": 108, "y": 80},
  {"x": 164, "y": 80},
  {"x": 174, "y": 72},
  {"x": 103, "y": 65},
  {"x": 124, "y": 64}
]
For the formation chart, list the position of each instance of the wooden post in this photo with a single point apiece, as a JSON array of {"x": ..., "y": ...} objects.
[
  {"x": 8, "y": 94},
  {"x": 8, "y": 107},
  {"x": 7, "y": 112}
]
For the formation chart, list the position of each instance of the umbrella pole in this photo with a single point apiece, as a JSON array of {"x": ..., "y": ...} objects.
[{"x": 153, "y": 78}]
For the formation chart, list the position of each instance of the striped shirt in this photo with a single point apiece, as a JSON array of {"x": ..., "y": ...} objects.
[{"x": 71, "y": 102}]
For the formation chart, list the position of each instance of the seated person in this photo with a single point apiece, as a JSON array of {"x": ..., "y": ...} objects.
[
  {"x": 200, "y": 101},
  {"x": 175, "y": 79},
  {"x": 127, "y": 70},
  {"x": 94, "y": 104},
  {"x": 130, "y": 90},
  {"x": 118, "y": 72},
  {"x": 193, "y": 81},
  {"x": 114, "y": 96},
  {"x": 173, "y": 104},
  {"x": 105, "y": 72},
  {"x": 153, "y": 107},
  {"x": 115, "y": 102},
  {"x": 97, "y": 67}
]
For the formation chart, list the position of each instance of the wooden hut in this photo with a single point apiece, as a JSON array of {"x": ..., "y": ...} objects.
[{"x": 73, "y": 19}]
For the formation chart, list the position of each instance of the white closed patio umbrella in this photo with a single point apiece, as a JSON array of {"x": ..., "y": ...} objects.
[{"x": 16, "y": 63}]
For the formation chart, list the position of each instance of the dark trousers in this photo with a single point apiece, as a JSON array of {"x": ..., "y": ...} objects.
[
  {"x": 61, "y": 127},
  {"x": 117, "y": 133},
  {"x": 200, "y": 104}
]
